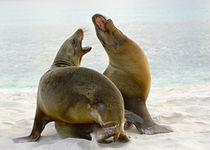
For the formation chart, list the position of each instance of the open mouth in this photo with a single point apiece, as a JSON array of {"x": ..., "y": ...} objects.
[
  {"x": 100, "y": 21},
  {"x": 86, "y": 48}
]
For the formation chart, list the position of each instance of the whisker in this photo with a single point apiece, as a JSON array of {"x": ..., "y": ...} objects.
[{"x": 85, "y": 29}]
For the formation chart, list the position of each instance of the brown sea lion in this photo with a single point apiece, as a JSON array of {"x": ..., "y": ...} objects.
[
  {"x": 76, "y": 95},
  {"x": 129, "y": 69}
]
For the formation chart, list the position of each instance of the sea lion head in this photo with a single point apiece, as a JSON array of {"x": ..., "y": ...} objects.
[
  {"x": 71, "y": 51},
  {"x": 120, "y": 49},
  {"x": 110, "y": 37}
]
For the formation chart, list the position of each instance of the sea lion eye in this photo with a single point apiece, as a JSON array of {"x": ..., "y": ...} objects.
[{"x": 74, "y": 42}]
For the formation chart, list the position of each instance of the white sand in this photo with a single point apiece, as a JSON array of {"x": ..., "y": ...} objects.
[{"x": 185, "y": 109}]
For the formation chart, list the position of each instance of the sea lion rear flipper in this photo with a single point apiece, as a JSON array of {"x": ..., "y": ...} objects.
[
  {"x": 102, "y": 135},
  {"x": 39, "y": 123},
  {"x": 66, "y": 130}
]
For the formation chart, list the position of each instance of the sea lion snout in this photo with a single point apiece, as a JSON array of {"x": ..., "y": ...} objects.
[
  {"x": 101, "y": 22},
  {"x": 107, "y": 33},
  {"x": 79, "y": 35},
  {"x": 98, "y": 15}
]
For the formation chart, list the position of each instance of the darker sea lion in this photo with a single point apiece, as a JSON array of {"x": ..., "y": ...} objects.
[
  {"x": 129, "y": 69},
  {"x": 76, "y": 95}
]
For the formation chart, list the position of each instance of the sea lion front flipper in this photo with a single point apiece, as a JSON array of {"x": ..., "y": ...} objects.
[
  {"x": 39, "y": 123},
  {"x": 25, "y": 139},
  {"x": 155, "y": 129},
  {"x": 132, "y": 118},
  {"x": 146, "y": 126}
]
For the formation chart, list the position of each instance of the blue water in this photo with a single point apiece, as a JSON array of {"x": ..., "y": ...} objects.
[{"x": 175, "y": 36}]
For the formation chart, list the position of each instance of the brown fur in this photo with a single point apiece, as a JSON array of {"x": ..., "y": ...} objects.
[{"x": 129, "y": 69}]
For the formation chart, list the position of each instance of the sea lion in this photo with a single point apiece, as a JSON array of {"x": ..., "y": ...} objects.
[
  {"x": 76, "y": 95},
  {"x": 129, "y": 69}
]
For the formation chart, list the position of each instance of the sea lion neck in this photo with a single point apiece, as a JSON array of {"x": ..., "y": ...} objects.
[
  {"x": 62, "y": 63},
  {"x": 63, "y": 59}
]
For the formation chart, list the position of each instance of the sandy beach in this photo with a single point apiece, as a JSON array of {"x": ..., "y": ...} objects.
[{"x": 183, "y": 108}]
